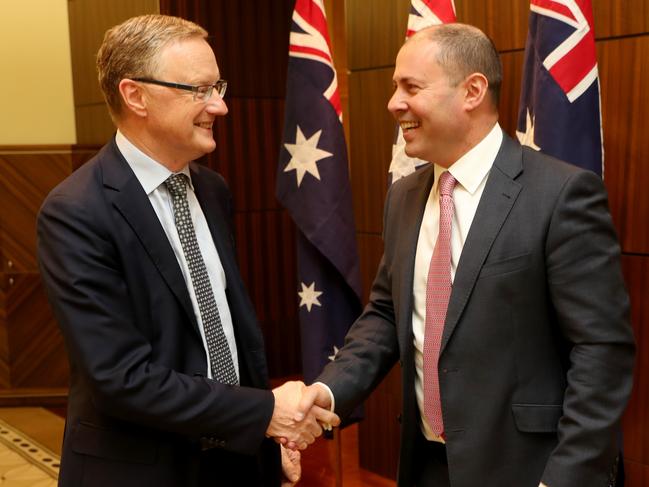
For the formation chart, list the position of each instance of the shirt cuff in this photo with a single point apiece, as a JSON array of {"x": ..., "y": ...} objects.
[{"x": 332, "y": 408}]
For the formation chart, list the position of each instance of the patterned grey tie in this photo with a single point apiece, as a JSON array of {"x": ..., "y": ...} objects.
[{"x": 219, "y": 351}]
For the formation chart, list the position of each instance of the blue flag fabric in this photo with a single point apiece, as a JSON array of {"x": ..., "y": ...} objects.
[
  {"x": 313, "y": 184},
  {"x": 559, "y": 111}
]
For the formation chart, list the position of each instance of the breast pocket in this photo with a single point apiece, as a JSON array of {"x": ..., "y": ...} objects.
[{"x": 506, "y": 265}]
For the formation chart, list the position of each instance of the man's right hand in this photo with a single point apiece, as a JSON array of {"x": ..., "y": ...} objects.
[{"x": 293, "y": 427}]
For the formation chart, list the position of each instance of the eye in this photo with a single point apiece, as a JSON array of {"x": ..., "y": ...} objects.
[{"x": 202, "y": 91}]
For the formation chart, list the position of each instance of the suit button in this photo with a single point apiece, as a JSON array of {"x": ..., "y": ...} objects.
[
  {"x": 445, "y": 370},
  {"x": 399, "y": 418}
]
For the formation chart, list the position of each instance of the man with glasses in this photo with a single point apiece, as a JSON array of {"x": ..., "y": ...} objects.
[{"x": 169, "y": 383}]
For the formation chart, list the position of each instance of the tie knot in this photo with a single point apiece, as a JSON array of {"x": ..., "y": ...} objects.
[
  {"x": 446, "y": 184},
  {"x": 177, "y": 184}
]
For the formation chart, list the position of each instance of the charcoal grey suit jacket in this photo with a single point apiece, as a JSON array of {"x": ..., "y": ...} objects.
[{"x": 537, "y": 353}]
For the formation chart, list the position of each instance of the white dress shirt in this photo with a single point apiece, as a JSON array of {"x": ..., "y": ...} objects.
[
  {"x": 471, "y": 172},
  {"x": 152, "y": 176}
]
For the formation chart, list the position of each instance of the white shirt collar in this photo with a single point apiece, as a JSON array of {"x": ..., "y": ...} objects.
[
  {"x": 471, "y": 169},
  {"x": 148, "y": 171}
]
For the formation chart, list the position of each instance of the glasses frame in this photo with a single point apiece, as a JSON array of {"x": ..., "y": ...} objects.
[{"x": 221, "y": 86}]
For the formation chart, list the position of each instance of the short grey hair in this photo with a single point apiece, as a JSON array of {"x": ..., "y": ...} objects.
[{"x": 132, "y": 48}]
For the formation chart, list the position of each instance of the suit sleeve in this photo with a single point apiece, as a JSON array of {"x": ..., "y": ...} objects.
[
  {"x": 84, "y": 279},
  {"x": 371, "y": 345},
  {"x": 592, "y": 308}
]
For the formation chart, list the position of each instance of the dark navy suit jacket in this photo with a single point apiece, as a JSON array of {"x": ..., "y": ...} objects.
[{"x": 141, "y": 410}]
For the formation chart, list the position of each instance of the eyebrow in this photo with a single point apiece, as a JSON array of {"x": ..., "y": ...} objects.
[{"x": 406, "y": 79}]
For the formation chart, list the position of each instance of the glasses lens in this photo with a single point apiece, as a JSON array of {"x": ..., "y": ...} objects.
[
  {"x": 221, "y": 86},
  {"x": 203, "y": 93}
]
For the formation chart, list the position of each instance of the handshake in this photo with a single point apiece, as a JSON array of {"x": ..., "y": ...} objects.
[{"x": 300, "y": 415}]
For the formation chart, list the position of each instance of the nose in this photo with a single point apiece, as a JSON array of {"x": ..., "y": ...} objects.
[
  {"x": 216, "y": 105},
  {"x": 396, "y": 103}
]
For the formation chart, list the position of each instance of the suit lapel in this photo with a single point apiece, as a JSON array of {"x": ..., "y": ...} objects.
[
  {"x": 127, "y": 195},
  {"x": 411, "y": 213},
  {"x": 498, "y": 198}
]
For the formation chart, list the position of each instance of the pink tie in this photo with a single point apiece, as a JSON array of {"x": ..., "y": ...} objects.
[{"x": 438, "y": 292}]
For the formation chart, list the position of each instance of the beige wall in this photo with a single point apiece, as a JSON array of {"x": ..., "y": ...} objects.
[{"x": 36, "y": 101}]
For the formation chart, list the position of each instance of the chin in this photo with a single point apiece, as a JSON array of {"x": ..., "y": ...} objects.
[
  {"x": 206, "y": 147},
  {"x": 412, "y": 153}
]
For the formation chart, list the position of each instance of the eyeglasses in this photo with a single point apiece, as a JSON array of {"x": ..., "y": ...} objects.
[{"x": 201, "y": 92}]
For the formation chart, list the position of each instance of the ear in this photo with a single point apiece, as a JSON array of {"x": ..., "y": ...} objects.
[
  {"x": 133, "y": 97},
  {"x": 476, "y": 85}
]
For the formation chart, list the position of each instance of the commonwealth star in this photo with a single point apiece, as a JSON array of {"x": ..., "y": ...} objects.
[{"x": 305, "y": 155}]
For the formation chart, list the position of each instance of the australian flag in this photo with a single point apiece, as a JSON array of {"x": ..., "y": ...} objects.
[
  {"x": 423, "y": 13},
  {"x": 559, "y": 111},
  {"x": 313, "y": 184}
]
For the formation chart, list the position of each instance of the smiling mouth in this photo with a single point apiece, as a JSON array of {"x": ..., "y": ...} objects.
[
  {"x": 405, "y": 126},
  {"x": 204, "y": 125}
]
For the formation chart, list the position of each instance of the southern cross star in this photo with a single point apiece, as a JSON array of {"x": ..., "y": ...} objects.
[{"x": 309, "y": 296}]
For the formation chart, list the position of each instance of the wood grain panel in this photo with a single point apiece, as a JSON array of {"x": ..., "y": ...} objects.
[
  {"x": 620, "y": 17},
  {"x": 636, "y": 420},
  {"x": 637, "y": 474},
  {"x": 5, "y": 370},
  {"x": 26, "y": 176},
  {"x": 336, "y": 20},
  {"x": 510, "y": 90},
  {"x": 379, "y": 434},
  {"x": 248, "y": 141},
  {"x": 376, "y": 30},
  {"x": 505, "y": 21},
  {"x": 372, "y": 132},
  {"x": 37, "y": 356},
  {"x": 266, "y": 251},
  {"x": 625, "y": 105}
]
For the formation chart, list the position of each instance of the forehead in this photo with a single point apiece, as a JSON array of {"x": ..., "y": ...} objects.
[
  {"x": 193, "y": 57},
  {"x": 416, "y": 59}
]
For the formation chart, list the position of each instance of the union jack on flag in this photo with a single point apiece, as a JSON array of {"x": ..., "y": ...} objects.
[
  {"x": 423, "y": 13},
  {"x": 559, "y": 110},
  {"x": 313, "y": 184}
]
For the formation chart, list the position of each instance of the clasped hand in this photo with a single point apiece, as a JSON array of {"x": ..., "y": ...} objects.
[{"x": 300, "y": 414}]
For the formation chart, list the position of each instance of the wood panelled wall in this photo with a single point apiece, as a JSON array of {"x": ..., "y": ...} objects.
[
  {"x": 374, "y": 32},
  {"x": 32, "y": 355},
  {"x": 250, "y": 39}
]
